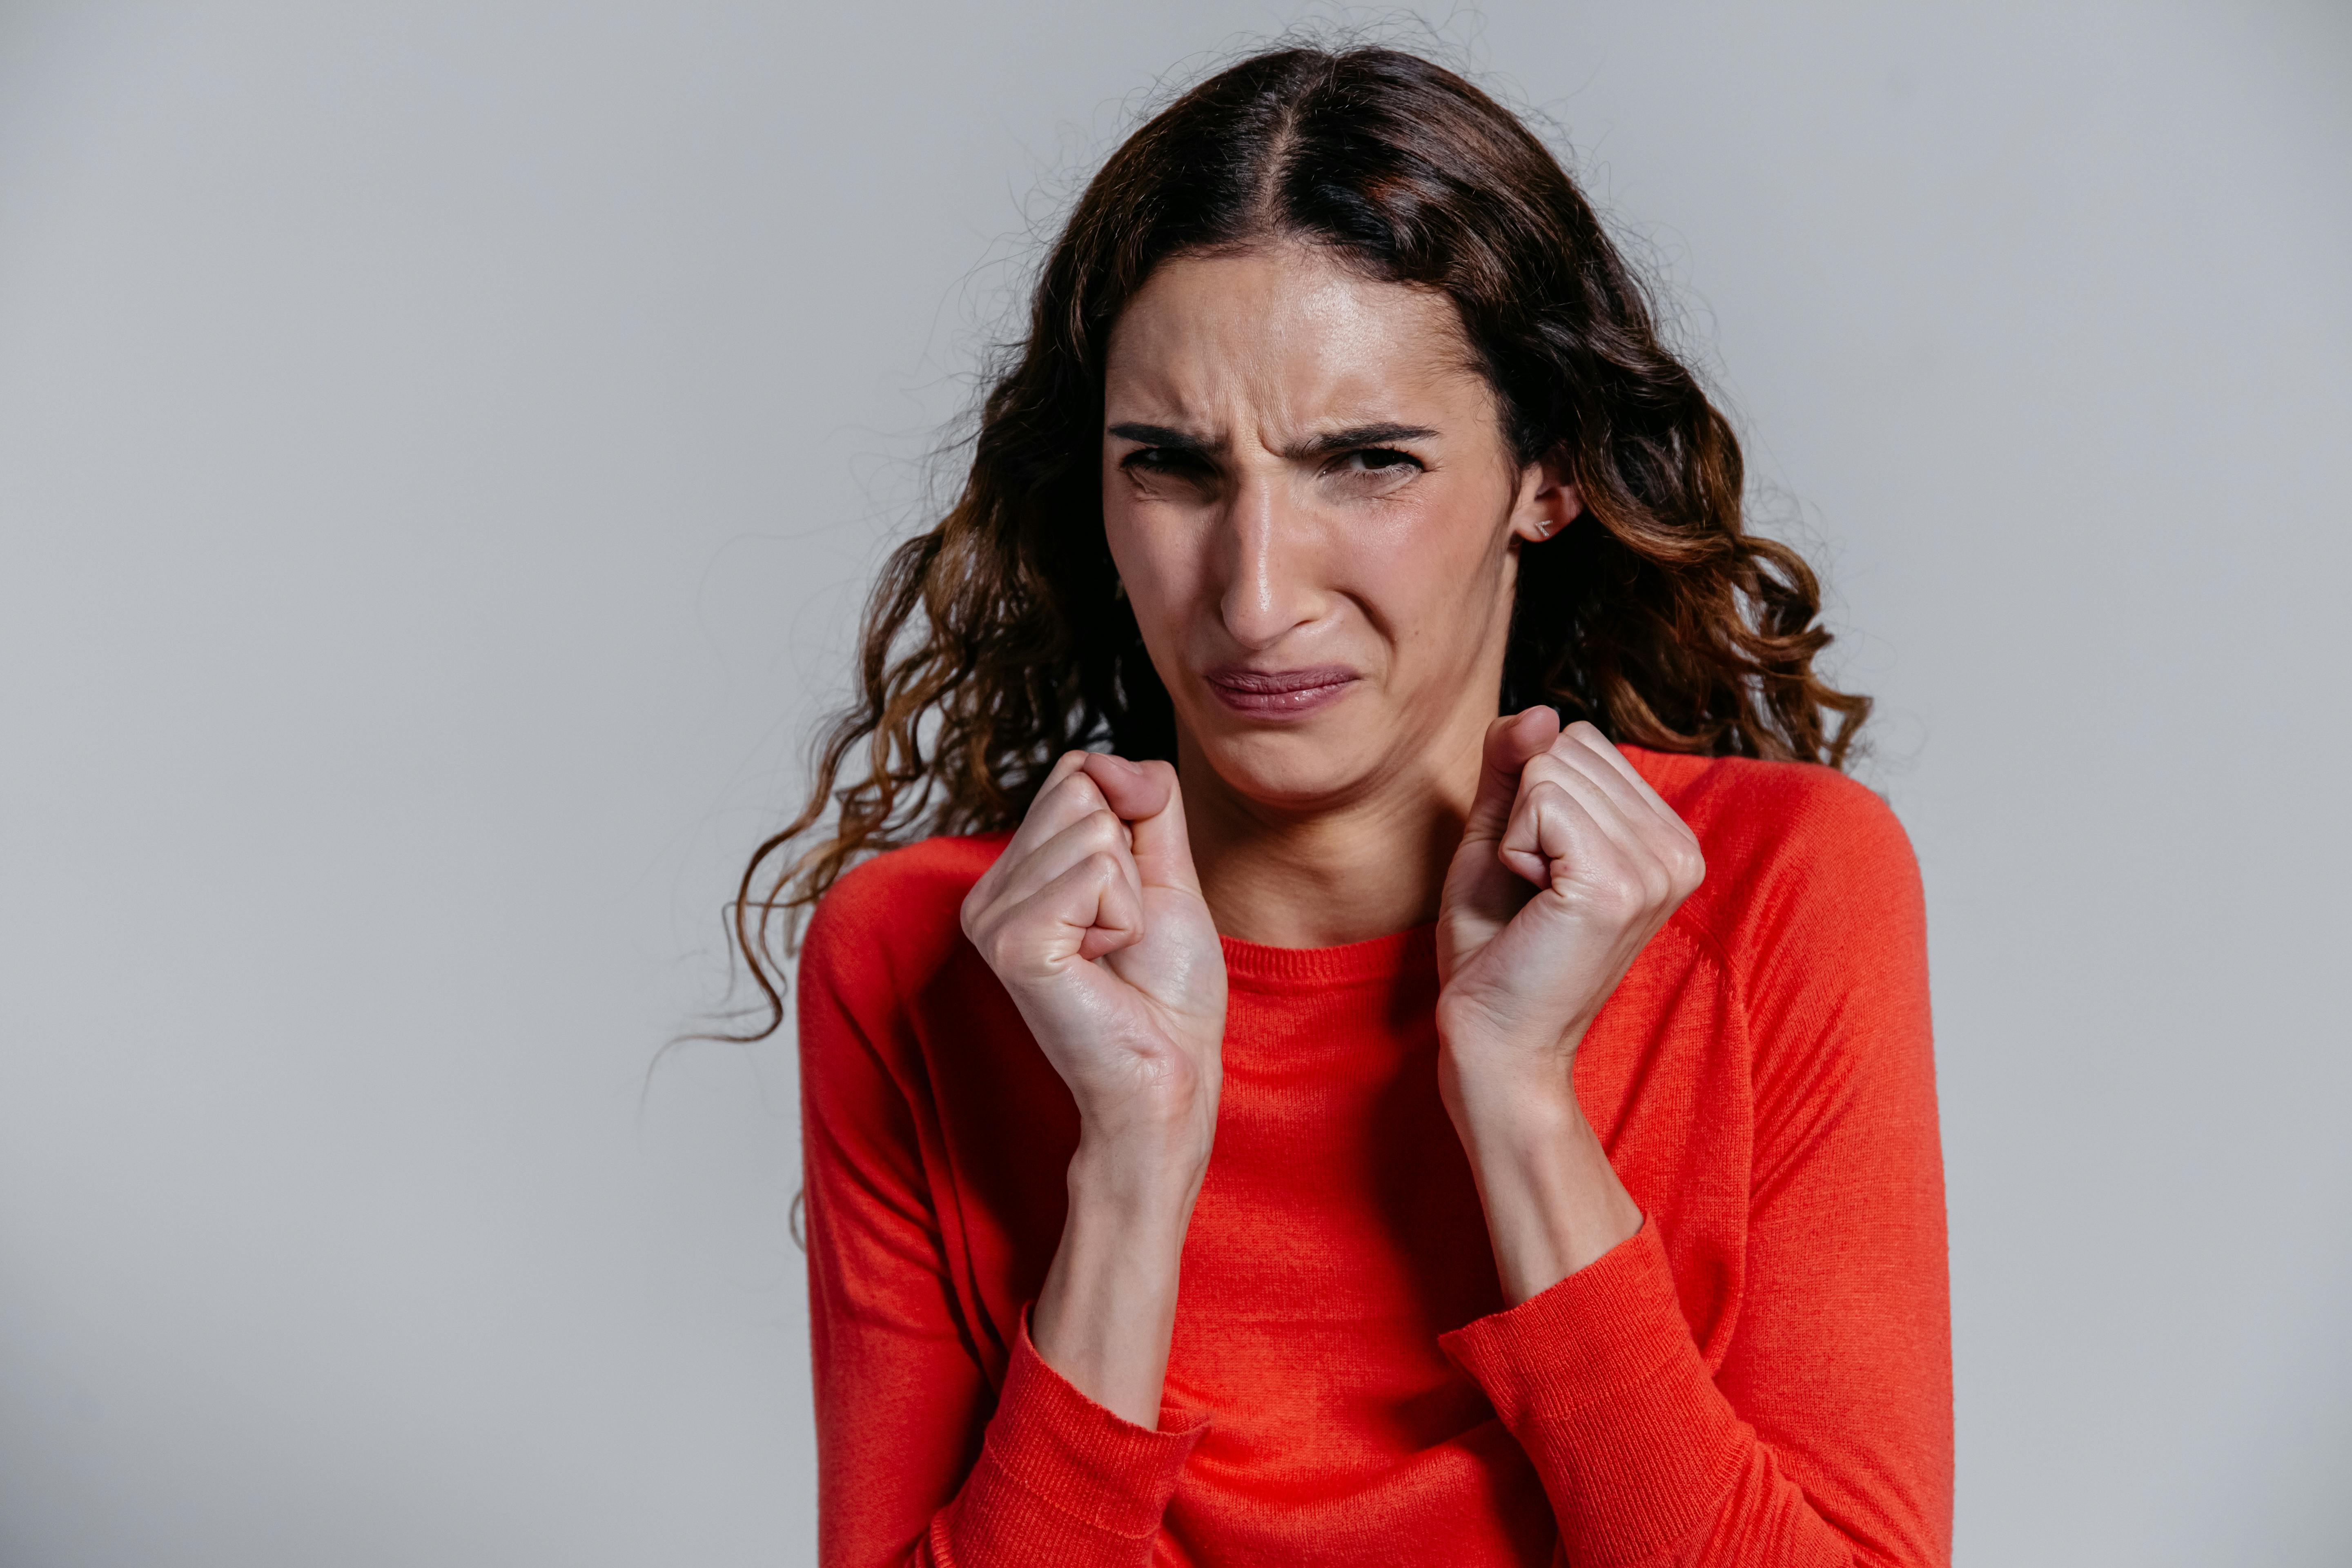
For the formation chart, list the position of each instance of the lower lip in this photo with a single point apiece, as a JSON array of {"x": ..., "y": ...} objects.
[{"x": 1281, "y": 704}]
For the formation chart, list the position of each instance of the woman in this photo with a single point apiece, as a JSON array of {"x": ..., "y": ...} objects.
[{"x": 1300, "y": 1103}]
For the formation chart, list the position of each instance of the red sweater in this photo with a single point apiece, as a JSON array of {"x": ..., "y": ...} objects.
[{"x": 1760, "y": 1376}]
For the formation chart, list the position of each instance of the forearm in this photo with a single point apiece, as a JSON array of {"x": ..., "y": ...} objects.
[
  {"x": 1593, "y": 1366},
  {"x": 1075, "y": 1465},
  {"x": 1644, "y": 1459},
  {"x": 1552, "y": 1201},
  {"x": 1107, "y": 1308}
]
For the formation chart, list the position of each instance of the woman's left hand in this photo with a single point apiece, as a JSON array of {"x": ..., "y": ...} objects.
[{"x": 1569, "y": 864}]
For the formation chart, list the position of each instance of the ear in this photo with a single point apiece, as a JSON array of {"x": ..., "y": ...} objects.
[{"x": 1547, "y": 500}]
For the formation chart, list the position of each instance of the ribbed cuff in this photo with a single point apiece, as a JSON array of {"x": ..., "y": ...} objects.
[
  {"x": 1062, "y": 1479},
  {"x": 1600, "y": 1380}
]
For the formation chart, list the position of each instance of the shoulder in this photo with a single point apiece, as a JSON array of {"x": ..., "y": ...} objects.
[
  {"x": 1812, "y": 901},
  {"x": 893, "y": 918},
  {"x": 1793, "y": 850},
  {"x": 899, "y": 894}
]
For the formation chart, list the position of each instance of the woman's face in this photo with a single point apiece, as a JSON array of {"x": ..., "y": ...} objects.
[{"x": 1316, "y": 515}]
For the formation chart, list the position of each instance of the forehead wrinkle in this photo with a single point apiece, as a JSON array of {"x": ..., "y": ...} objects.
[
  {"x": 1373, "y": 353},
  {"x": 1288, "y": 351}
]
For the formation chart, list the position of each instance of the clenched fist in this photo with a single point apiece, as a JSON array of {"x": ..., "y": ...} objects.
[
  {"x": 1092, "y": 918},
  {"x": 1569, "y": 863}
]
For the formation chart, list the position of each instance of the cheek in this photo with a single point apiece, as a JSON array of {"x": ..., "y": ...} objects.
[
  {"x": 1156, "y": 563},
  {"x": 1434, "y": 576}
]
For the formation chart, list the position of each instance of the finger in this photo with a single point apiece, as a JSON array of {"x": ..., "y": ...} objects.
[
  {"x": 1087, "y": 911},
  {"x": 1068, "y": 796},
  {"x": 1557, "y": 827},
  {"x": 1065, "y": 796},
  {"x": 1665, "y": 864},
  {"x": 1131, "y": 790},
  {"x": 1549, "y": 825},
  {"x": 1509, "y": 742},
  {"x": 1589, "y": 737},
  {"x": 1096, "y": 833},
  {"x": 1628, "y": 814},
  {"x": 1163, "y": 844},
  {"x": 1619, "y": 813}
]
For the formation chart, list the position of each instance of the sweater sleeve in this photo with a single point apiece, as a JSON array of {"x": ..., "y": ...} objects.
[
  {"x": 1826, "y": 1435},
  {"x": 919, "y": 1464}
]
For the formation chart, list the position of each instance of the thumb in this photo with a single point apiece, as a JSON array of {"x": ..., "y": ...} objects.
[
  {"x": 1511, "y": 742},
  {"x": 1147, "y": 799}
]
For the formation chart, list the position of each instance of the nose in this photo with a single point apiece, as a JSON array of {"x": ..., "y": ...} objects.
[{"x": 1270, "y": 555}]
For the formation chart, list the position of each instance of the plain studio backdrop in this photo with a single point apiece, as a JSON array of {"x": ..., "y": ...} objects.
[{"x": 442, "y": 448}]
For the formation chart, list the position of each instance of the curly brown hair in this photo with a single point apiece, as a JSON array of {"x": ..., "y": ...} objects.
[{"x": 998, "y": 639}]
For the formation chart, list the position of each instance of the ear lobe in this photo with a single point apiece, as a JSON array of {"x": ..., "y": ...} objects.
[{"x": 1554, "y": 503}]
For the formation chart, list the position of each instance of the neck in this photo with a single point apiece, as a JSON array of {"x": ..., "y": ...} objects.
[{"x": 1334, "y": 873}]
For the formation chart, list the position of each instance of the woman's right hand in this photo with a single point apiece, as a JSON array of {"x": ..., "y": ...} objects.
[{"x": 1093, "y": 920}]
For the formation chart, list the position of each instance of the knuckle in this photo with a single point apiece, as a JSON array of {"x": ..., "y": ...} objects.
[
  {"x": 1548, "y": 793},
  {"x": 1617, "y": 888},
  {"x": 1057, "y": 778},
  {"x": 974, "y": 913}
]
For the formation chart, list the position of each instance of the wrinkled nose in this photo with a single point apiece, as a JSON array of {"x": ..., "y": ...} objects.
[{"x": 1269, "y": 557}]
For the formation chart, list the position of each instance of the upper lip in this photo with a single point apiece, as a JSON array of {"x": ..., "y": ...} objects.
[{"x": 1238, "y": 679}]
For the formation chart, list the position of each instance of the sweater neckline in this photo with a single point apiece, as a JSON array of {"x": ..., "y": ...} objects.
[{"x": 1259, "y": 966}]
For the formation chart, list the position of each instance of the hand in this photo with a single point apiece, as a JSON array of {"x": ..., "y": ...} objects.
[
  {"x": 1569, "y": 864},
  {"x": 1092, "y": 919}
]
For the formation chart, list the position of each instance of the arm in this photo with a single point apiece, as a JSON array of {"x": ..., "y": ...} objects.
[
  {"x": 913, "y": 1468},
  {"x": 1825, "y": 1439}
]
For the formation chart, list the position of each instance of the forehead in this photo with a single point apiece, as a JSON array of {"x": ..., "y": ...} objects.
[{"x": 1289, "y": 331}]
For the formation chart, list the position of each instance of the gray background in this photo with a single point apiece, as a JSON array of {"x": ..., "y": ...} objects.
[{"x": 441, "y": 449}]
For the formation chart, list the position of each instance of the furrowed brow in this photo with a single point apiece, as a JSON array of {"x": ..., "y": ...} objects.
[
  {"x": 1161, "y": 435},
  {"x": 1356, "y": 438}
]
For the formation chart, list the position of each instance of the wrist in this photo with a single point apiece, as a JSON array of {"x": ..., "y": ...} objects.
[
  {"x": 1146, "y": 1144},
  {"x": 1137, "y": 1179},
  {"x": 1503, "y": 1094},
  {"x": 1108, "y": 1306},
  {"x": 1553, "y": 1201},
  {"x": 1509, "y": 1116}
]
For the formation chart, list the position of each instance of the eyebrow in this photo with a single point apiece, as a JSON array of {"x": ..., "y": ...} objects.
[{"x": 1354, "y": 438}]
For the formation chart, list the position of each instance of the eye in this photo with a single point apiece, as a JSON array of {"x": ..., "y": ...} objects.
[
  {"x": 1164, "y": 460},
  {"x": 1375, "y": 466}
]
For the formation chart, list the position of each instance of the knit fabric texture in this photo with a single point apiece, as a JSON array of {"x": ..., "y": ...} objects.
[{"x": 1759, "y": 1377}]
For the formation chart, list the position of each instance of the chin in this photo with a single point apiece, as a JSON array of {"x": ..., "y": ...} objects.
[{"x": 1297, "y": 766}]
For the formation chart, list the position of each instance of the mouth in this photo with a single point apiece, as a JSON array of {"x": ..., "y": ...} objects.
[{"x": 1280, "y": 693}]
